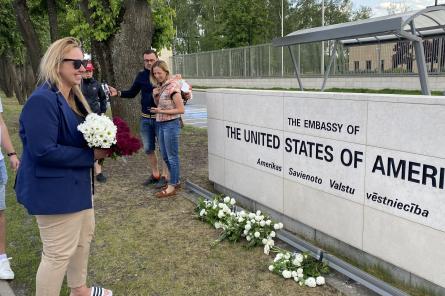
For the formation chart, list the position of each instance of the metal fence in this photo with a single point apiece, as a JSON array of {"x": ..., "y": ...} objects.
[{"x": 396, "y": 58}]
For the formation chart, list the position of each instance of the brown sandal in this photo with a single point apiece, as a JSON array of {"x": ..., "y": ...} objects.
[{"x": 164, "y": 193}]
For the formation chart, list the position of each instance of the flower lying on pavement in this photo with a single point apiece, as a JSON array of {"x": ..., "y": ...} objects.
[{"x": 303, "y": 268}]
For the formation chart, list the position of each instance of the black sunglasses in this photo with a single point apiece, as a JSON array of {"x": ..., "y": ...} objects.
[{"x": 76, "y": 63}]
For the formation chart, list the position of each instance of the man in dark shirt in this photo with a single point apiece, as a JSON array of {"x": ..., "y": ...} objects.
[
  {"x": 96, "y": 98},
  {"x": 148, "y": 124}
]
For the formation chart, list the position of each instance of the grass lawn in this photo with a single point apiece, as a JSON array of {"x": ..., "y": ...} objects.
[{"x": 145, "y": 246}]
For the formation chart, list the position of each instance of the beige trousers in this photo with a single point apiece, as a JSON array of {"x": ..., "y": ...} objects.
[{"x": 66, "y": 242}]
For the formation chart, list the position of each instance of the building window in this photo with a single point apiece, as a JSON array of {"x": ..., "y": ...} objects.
[
  {"x": 356, "y": 66},
  {"x": 368, "y": 65}
]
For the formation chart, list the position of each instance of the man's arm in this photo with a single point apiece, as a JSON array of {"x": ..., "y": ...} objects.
[
  {"x": 130, "y": 93},
  {"x": 7, "y": 145}
]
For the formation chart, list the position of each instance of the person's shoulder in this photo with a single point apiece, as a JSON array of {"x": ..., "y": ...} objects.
[{"x": 43, "y": 94}]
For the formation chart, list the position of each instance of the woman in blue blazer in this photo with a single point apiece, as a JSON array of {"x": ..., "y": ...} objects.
[{"x": 54, "y": 179}]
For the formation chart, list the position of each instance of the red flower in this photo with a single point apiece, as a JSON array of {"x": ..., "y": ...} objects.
[{"x": 126, "y": 143}]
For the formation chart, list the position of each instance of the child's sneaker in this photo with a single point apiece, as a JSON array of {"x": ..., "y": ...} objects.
[{"x": 6, "y": 272}]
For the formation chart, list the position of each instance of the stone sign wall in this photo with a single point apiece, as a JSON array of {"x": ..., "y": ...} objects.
[{"x": 368, "y": 170}]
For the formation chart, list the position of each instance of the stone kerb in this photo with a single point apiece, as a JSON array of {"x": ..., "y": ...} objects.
[{"x": 366, "y": 169}]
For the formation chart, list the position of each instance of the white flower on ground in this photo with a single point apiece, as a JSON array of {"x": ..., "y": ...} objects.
[
  {"x": 294, "y": 274},
  {"x": 240, "y": 219},
  {"x": 262, "y": 223},
  {"x": 264, "y": 241},
  {"x": 258, "y": 212},
  {"x": 276, "y": 226},
  {"x": 320, "y": 280},
  {"x": 202, "y": 213},
  {"x": 310, "y": 282},
  {"x": 296, "y": 262},
  {"x": 242, "y": 214},
  {"x": 268, "y": 222},
  {"x": 266, "y": 249},
  {"x": 226, "y": 199},
  {"x": 287, "y": 256},
  {"x": 248, "y": 238},
  {"x": 287, "y": 274},
  {"x": 217, "y": 225},
  {"x": 257, "y": 234},
  {"x": 247, "y": 227},
  {"x": 251, "y": 215},
  {"x": 270, "y": 242},
  {"x": 300, "y": 270},
  {"x": 253, "y": 221},
  {"x": 272, "y": 234},
  {"x": 232, "y": 201},
  {"x": 220, "y": 214},
  {"x": 278, "y": 257},
  {"x": 246, "y": 231},
  {"x": 299, "y": 257},
  {"x": 271, "y": 268},
  {"x": 221, "y": 205}
]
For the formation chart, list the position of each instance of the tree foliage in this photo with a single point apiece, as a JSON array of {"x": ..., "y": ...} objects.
[{"x": 208, "y": 25}]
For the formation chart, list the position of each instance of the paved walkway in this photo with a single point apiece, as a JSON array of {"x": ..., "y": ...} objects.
[{"x": 196, "y": 115}]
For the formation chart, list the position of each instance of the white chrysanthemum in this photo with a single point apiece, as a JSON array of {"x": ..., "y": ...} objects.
[
  {"x": 262, "y": 223},
  {"x": 320, "y": 280},
  {"x": 202, "y": 213},
  {"x": 251, "y": 215},
  {"x": 264, "y": 241},
  {"x": 226, "y": 199},
  {"x": 271, "y": 268},
  {"x": 220, "y": 214},
  {"x": 287, "y": 274},
  {"x": 310, "y": 282},
  {"x": 247, "y": 227},
  {"x": 257, "y": 234},
  {"x": 276, "y": 226},
  {"x": 232, "y": 201},
  {"x": 294, "y": 274},
  {"x": 258, "y": 212},
  {"x": 240, "y": 219},
  {"x": 217, "y": 225},
  {"x": 266, "y": 249},
  {"x": 268, "y": 222},
  {"x": 272, "y": 234},
  {"x": 300, "y": 270},
  {"x": 299, "y": 257},
  {"x": 98, "y": 131},
  {"x": 287, "y": 256},
  {"x": 245, "y": 231},
  {"x": 248, "y": 238}
]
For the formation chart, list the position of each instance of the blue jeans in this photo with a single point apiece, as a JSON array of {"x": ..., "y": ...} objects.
[
  {"x": 148, "y": 130},
  {"x": 3, "y": 181},
  {"x": 169, "y": 143}
]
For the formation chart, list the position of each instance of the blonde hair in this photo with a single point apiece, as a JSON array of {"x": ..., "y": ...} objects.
[
  {"x": 50, "y": 66},
  {"x": 160, "y": 64}
]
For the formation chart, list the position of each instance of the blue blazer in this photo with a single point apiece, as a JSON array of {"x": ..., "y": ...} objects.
[{"x": 54, "y": 176}]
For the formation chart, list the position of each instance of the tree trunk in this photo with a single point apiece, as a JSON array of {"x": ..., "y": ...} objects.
[
  {"x": 52, "y": 16},
  {"x": 128, "y": 45},
  {"x": 6, "y": 78},
  {"x": 28, "y": 33},
  {"x": 119, "y": 58}
]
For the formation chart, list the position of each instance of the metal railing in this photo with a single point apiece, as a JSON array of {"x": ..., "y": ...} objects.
[{"x": 265, "y": 60}]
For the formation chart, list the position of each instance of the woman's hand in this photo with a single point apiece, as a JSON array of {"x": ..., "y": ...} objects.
[
  {"x": 100, "y": 153},
  {"x": 14, "y": 161},
  {"x": 155, "y": 110},
  {"x": 156, "y": 91}
]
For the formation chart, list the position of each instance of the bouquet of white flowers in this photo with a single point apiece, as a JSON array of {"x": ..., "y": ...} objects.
[{"x": 98, "y": 130}]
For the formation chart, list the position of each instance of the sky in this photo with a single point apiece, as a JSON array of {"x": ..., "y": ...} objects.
[{"x": 380, "y": 7}]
